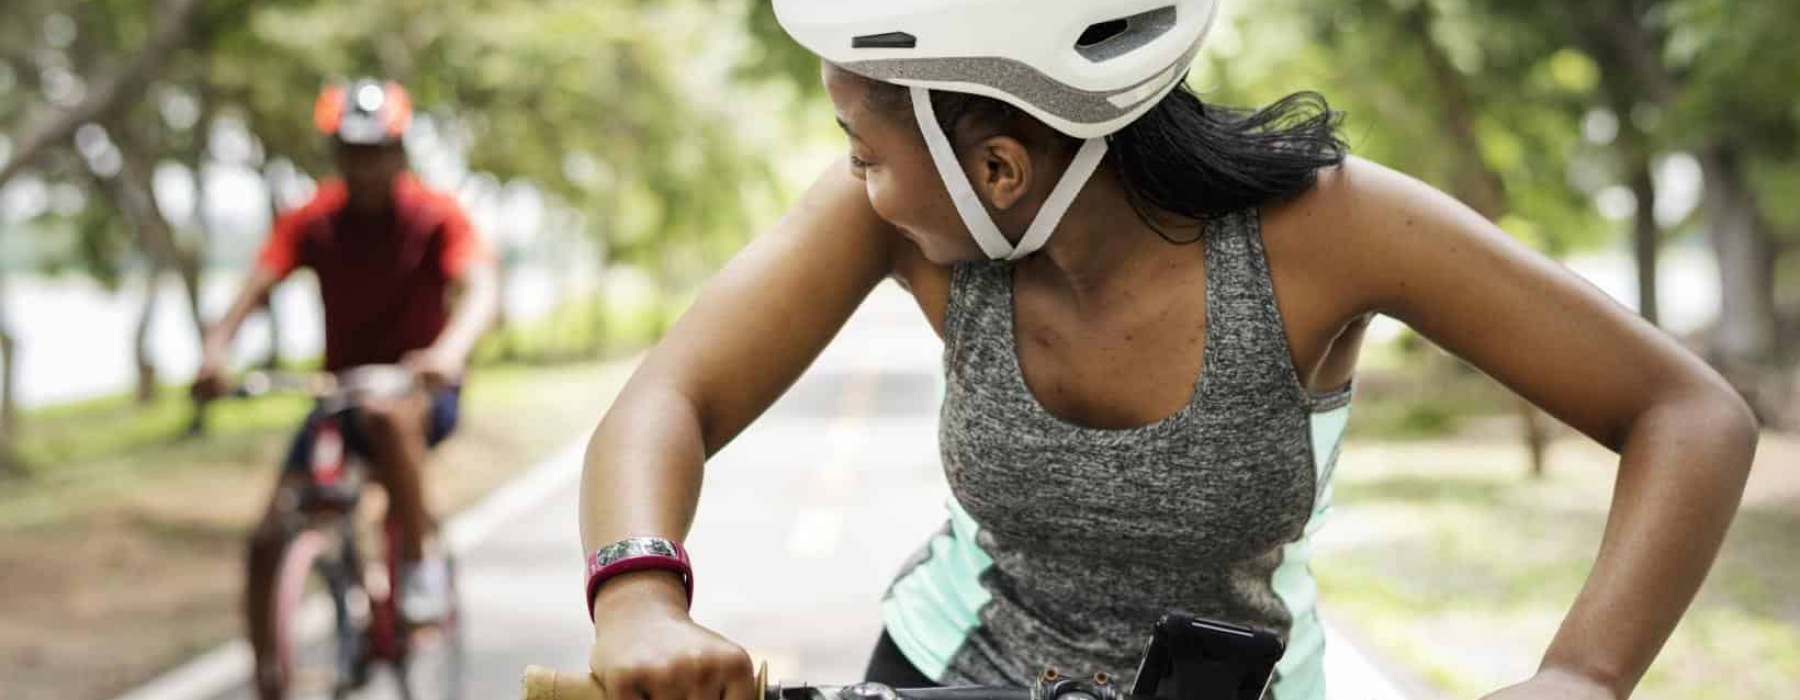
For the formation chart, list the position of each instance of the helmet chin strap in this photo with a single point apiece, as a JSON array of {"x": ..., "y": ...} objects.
[{"x": 974, "y": 212}]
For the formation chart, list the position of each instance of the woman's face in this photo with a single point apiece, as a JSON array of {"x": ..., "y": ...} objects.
[{"x": 888, "y": 154}]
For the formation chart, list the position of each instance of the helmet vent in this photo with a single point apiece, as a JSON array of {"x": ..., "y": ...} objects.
[
  {"x": 1103, "y": 31},
  {"x": 890, "y": 40},
  {"x": 1113, "y": 38}
]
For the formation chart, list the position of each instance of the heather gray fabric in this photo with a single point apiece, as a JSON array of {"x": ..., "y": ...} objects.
[{"x": 1068, "y": 542}]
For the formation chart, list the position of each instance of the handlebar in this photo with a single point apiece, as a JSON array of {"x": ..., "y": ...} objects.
[
  {"x": 339, "y": 389},
  {"x": 542, "y": 683}
]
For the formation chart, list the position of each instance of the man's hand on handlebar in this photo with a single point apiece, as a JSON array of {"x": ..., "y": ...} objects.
[
  {"x": 210, "y": 382},
  {"x": 435, "y": 368}
]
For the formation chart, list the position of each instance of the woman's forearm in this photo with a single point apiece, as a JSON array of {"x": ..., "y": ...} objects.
[
  {"x": 1682, "y": 472},
  {"x": 643, "y": 468}
]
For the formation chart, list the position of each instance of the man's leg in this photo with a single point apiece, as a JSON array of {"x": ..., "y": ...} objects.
[{"x": 396, "y": 432}]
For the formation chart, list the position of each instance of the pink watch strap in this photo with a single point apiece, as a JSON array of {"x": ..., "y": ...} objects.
[{"x": 638, "y": 554}]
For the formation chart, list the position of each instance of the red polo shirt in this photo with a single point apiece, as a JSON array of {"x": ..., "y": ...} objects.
[{"x": 384, "y": 280}]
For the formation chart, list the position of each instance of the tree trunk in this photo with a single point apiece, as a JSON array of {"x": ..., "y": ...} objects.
[
  {"x": 1477, "y": 183},
  {"x": 131, "y": 191},
  {"x": 145, "y": 359},
  {"x": 1745, "y": 334},
  {"x": 136, "y": 197},
  {"x": 509, "y": 346},
  {"x": 1646, "y": 237},
  {"x": 9, "y": 387}
]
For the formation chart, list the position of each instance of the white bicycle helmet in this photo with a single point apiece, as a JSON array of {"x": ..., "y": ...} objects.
[{"x": 1086, "y": 68}]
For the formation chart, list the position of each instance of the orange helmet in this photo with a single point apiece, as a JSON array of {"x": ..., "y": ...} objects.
[{"x": 364, "y": 111}]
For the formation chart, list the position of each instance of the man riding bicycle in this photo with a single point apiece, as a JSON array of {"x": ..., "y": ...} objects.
[{"x": 404, "y": 279}]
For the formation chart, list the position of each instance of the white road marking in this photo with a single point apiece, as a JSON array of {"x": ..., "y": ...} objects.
[{"x": 817, "y": 531}]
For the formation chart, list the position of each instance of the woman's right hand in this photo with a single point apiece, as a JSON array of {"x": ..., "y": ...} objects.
[{"x": 647, "y": 648}]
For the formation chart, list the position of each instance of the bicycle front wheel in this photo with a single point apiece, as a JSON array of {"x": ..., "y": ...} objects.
[{"x": 316, "y": 634}]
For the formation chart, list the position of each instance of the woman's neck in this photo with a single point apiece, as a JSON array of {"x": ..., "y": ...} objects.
[{"x": 1104, "y": 247}]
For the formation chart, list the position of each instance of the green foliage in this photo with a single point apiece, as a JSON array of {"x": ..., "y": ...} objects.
[
  {"x": 580, "y": 328},
  {"x": 625, "y": 114},
  {"x": 1408, "y": 75}
]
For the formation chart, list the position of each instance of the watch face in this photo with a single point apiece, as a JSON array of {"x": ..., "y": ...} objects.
[{"x": 636, "y": 547}]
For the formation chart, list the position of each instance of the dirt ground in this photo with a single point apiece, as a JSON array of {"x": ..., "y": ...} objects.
[{"x": 107, "y": 579}]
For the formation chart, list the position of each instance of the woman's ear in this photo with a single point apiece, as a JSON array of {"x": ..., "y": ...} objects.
[{"x": 1002, "y": 171}]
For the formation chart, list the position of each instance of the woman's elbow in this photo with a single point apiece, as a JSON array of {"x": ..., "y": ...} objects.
[{"x": 1721, "y": 417}]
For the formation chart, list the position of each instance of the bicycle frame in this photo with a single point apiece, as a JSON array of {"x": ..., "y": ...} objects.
[
  {"x": 321, "y": 521},
  {"x": 318, "y": 518}
]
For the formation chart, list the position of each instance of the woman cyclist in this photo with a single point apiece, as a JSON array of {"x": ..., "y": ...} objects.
[{"x": 1151, "y": 310}]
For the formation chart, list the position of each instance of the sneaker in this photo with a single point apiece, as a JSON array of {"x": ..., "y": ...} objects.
[{"x": 425, "y": 591}]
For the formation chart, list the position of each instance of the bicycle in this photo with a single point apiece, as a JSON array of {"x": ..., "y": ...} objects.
[
  {"x": 542, "y": 683},
  {"x": 321, "y": 554},
  {"x": 1187, "y": 658}
]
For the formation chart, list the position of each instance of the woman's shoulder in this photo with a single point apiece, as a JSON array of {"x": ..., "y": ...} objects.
[
  {"x": 1357, "y": 193},
  {"x": 1354, "y": 209},
  {"x": 1346, "y": 231}
]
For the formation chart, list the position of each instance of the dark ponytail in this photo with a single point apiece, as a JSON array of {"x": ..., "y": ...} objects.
[
  {"x": 1184, "y": 157},
  {"x": 1200, "y": 161}
]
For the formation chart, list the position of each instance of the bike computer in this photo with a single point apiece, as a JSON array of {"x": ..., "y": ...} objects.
[{"x": 1189, "y": 658}]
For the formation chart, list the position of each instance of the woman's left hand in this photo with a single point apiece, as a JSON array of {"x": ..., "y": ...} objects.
[{"x": 1556, "y": 685}]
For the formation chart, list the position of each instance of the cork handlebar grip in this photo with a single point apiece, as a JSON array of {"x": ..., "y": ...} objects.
[
  {"x": 550, "y": 684},
  {"x": 542, "y": 683}
]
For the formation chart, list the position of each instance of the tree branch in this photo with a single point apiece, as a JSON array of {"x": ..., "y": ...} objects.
[
  {"x": 107, "y": 91},
  {"x": 1478, "y": 184}
]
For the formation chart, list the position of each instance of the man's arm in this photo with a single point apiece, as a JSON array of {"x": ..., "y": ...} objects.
[
  {"x": 215, "y": 345},
  {"x": 477, "y": 294},
  {"x": 474, "y": 271},
  {"x": 279, "y": 256}
]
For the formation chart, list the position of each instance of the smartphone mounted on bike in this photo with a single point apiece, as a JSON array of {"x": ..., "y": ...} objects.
[{"x": 1191, "y": 658}]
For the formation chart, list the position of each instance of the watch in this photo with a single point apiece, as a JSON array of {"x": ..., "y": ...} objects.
[{"x": 638, "y": 554}]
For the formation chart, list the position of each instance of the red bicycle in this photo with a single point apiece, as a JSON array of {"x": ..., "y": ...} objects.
[{"x": 336, "y": 618}]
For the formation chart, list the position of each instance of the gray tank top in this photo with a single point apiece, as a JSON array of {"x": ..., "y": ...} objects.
[{"x": 1066, "y": 543}]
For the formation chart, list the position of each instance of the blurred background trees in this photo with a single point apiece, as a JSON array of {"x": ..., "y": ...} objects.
[
  {"x": 581, "y": 134},
  {"x": 599, "y": 140}
]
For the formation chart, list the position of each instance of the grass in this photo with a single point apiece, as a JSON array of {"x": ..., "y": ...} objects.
[
  {"x": 55, "y": 440},
  {"x": 1451, "y": 562},
  {"x": 68, "y": 440},
  {"x": 576, "y": 329},
  {"x": 1408, "y": 390}
]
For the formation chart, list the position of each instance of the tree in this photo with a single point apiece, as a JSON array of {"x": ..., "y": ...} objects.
[
  {"x": 503, "y": 82},
  {"x": 117, "y": 80},
  {"x": 1504, "y": 104},
  {"x": 9, "y": 381},
  {"x": 1712, "y": 77}
]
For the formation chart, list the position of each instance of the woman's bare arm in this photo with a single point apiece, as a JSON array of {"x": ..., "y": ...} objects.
[
  {"x": 1684, "y": 437},
  {"x": 756, "y": 327}
]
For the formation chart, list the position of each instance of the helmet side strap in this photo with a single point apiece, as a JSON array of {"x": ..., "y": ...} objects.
[{"x": 974, "y": 212}]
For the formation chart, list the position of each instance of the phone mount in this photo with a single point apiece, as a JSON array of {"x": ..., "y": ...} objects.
[{"x": 1052, "y": 685}]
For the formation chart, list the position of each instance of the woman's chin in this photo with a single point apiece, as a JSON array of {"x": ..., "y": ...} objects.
[{"x": 939, "y": 251}]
